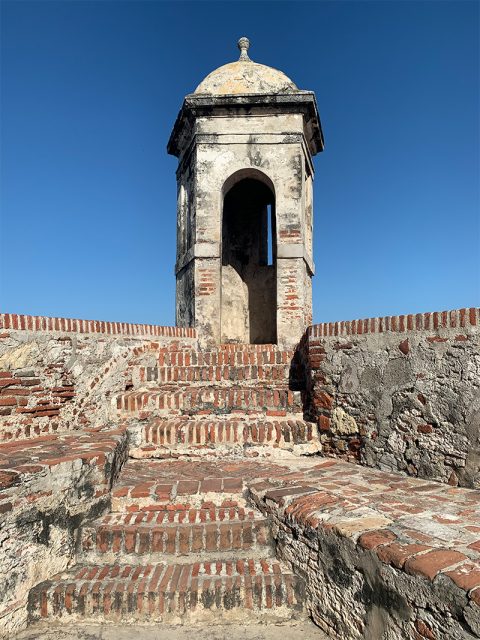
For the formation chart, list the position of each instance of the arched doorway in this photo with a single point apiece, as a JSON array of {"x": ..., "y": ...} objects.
[{"x": 248, "y": 312}]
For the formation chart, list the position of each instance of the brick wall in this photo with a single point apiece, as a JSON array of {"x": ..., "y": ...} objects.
[
  {"x": 400, "y": 393},
  {"x": 72, "y": 325}
]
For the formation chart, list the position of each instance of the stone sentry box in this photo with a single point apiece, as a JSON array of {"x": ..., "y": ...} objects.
[{"x": 245, "y": 140}]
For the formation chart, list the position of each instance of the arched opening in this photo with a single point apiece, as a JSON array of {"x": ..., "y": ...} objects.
[{"x": 249, "y": 305}]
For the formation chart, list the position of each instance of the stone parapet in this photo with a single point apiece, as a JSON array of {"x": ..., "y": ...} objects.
[
  {"x": 400, "y": 393},
  {"x": 48, "y": 487},
  {"x": 71, "y": 325},
  {"x": 56, "y": 372},
  {"x": 382, "y": 556},
  {"x": 456, "y": 319}
]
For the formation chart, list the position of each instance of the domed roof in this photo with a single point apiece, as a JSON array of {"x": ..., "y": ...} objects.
[{"x": 245, "y": 76}]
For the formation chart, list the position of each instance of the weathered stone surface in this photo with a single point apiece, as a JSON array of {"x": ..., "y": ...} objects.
[
  {"x": 372, "y": 547},
  {"x": 377, "y": 583},
  {"x": 293, "y": 630},
  {"x": 60, "y": 481},
  {"x": 342, "y": 423},
  {"x": 414, "y": 410},
  {"x": 54, "y": 380},
  {"x": 245, "y": 141}
]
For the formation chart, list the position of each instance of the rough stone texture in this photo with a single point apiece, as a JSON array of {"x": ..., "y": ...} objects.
[
  {"x": 60, "y": 452},
  {"x": 247, "y": 130},
  {"x": 243, "y": 77},
  {"x": 379, "y": 554},
  {"x": 382, "y": 556},
  {"x": 73, "y": 376},
  {"x": 56, "y": 374},
  {"x": 293, "y": 630},
  {"x": 180, "y": 545},
  {"x": 400, "y": 393},
  {"x": 47, "y": 489}
]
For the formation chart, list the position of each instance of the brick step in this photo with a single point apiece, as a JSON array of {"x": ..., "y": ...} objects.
[
  {"x": 178, "y": 493},
  {"x": 217, "y": 400},
  {"x": 233, "y": 355},
  {"x": 162, "y": 592},
  {"x": 265, "y": 374},
  {"x": 249, "y": 347},
  {"x": 183, "y": 483},
  {"x": 162, "y": 437},
  {"x": 147, "y": 536}
]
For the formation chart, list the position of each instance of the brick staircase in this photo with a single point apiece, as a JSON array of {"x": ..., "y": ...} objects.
[
  {"x": 181, "y": 543},
  {"x": 238, "y": 400}
]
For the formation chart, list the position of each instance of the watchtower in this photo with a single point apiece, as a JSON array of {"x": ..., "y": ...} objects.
[{"x": 245, "y": 140}]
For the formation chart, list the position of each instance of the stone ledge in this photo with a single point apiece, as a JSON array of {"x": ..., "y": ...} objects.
[
  {"x": 48, "y": 486},
  {"x": 403, "y": 554},
  {"x": 212, "y": 591},
  {"x": 24, "y": 462}
]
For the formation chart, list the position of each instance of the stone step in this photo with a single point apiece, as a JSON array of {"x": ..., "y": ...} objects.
[
  {"x": 150, "y": 536},
  {"x": 175, "y": 593},
  {"x": 210, "y": 400},
  {"x": 178, "y": 493},
  {"x": 300, "y": 629},
  {"x": 264, "y": 374},
  {"x": 161, "y": 437},
  {"x": 233, "y": 355},
  {"x": 184, "y": 483},
  {"x": 248, "y": 346}
]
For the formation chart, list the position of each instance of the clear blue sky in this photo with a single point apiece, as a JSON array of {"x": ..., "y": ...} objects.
[{"x": 90, "y": 91}]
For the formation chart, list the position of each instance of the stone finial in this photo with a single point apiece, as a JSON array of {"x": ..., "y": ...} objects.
[{"x": 243, "y": 44}]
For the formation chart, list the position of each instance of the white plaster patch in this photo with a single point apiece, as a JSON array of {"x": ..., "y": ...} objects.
[{"x": 20, "y": 357}]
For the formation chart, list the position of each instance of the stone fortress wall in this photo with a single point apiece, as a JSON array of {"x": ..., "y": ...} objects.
[{"x": 400, "y": 393}]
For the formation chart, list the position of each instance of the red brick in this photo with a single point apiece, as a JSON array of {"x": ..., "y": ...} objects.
[
  {"x": 404, "y": 347},
  {"x": 431, "y": 563},
  {"x": 424, "y": 630},
  {"x": 5, "y": 507},
  {"x": 7, "y": 381},
  {"x": 187, "y": 487},
  {"x": 323, "y": 400},
  {"x": 103, "y": 540},
  {"x": 234, "y": 485},
  {"x": 397, "y": 554},
  {"x": 211, "y": 485},
  {"x": 8, "y": 402},
  {"x": 324, "y": 423},
  {"x": 425, "y": 428},
  {"x": 130, "y": 536},
  {"x": 373, "y": 539},
  {"x": 143, "y": 540},
  {"x": 466, "y": 576}
]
